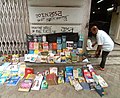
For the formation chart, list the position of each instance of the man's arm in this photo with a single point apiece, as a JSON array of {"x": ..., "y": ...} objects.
[
  {"x": 94, "y": 44},
  {"x": 97, "y": 53}
]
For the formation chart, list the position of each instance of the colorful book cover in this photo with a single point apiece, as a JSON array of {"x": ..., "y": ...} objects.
[
  {"x": 68, "y": 72},
  {"x": 54, "y": 46},
  {"x": 69, "y": 45},
  {"x": 59, "y": 40},
  {"x": 25, "y": 85},
  {"x": 64, "y": 39},
  {"x": 37, "y": 82},
  {"x": 99, "y": 90},
  {"x": 28, "y": 57},
  {"x": 31, "y": 45},
  {"x": 36, "y": 45},
  {"x": 50, "y": 46},
  {"x": 59, "y": 46},
  {"x": 45, "y": 46},
  {"x": 44, "y": 85},
  {"x": 53, "y": 70},
  {"x": 28, "y": 70},
  {"x": 13, "y": 81},
  {"x": 75, "y": 73}
]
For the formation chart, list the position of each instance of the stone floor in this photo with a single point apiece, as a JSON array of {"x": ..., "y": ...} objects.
[{"x": 111, "y": 75}]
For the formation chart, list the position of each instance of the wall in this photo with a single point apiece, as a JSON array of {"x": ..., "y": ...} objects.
[
  {"x": 75, "y": 16},
  {"x": 115, "y": 26}
]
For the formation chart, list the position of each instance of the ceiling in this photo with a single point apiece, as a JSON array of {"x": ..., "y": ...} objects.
[{"x": 55, "y": 2}]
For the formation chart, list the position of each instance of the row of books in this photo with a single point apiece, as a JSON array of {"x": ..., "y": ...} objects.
[
  {"x": 84, "y": 78},
  {"x": 45, "y": 46},
  {"x": 50, "y": 57},
  {"x": 10, "y": 71}
]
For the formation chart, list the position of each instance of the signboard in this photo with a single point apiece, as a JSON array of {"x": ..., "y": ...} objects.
[
  {"x": 55, "y": 15},
  {"x": 48, "y": 29}
]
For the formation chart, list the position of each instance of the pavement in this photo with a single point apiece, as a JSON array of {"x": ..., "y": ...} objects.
[{"x": 111, "y": 76}]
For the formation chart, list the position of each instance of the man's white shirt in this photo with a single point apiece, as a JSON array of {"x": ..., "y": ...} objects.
[{"x": 104, "y": 39}]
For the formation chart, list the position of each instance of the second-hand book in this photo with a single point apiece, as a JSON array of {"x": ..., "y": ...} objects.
[
  {"x": 13, "y": 81},
  {"x": 25, "y": 85},
  {"x": 37, "y": 82}
]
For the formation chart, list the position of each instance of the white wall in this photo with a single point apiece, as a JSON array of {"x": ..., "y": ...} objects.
[{"x": 115, "y": 26}]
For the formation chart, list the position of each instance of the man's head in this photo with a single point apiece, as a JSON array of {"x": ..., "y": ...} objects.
[{"x": 94, "y": 29}]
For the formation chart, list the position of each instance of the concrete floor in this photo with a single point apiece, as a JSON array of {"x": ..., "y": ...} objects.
[{"x": 111, "y": 75}]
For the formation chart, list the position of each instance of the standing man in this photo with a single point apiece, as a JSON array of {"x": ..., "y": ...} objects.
[{"x": 105, "y": 44}]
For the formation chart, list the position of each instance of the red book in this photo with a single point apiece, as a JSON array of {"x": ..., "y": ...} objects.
[
  {"x": 51, "y": 79},
  {"x": 54, "y": 46},
  {"x": 28, "y": 70}
]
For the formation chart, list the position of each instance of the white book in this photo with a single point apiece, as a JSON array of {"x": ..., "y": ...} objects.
[{"x": 37, "y": 82}]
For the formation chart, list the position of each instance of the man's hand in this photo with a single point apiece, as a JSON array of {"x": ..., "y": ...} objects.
[{"x": 97, "y": 53}]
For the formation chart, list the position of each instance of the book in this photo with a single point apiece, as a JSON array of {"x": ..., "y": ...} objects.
[
  {"x": 25, "y": 85},
  {"x": 13, "y": 81},
  {"x": 85, "y": 86},
  {"x": 51, "y": 79},
  {"x": 53, "y": 70},
  {"x": 30, "y": 76},
  {"x": 75, "y": 73},
  {"x": 54, "y": 46},
  {"x": 28, "y": 70},
  {"x": 31, "y": 45},
  {"x": 69, "y": 45},
  {"x": 77, "y": 85},
  {"x": 59, "y": 40},
  {"x": 37, "y": 82},
  {"x": 99, "y": 90},
  {"x": 44, "y": 85},
  {"x": 99, "y": 80},
  {"x": 2, "y": 80}
]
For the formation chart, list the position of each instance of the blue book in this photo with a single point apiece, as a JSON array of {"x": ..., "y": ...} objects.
[
  {"x": 59, "y": 40},
  {"x": 99, "y": 90},
  {"x": 13, "y": 81}
]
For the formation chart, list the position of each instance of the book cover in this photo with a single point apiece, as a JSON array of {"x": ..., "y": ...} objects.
[
  {"x": 36, "y": 45},
  {"x": 31, "y": 45},
  {"x": 13, "y": 81},
  {"x": 44, "y": 85},
  {"x": 28, "y": 70},
  {"x": 99, "y": 90},
  {"x": 53, "y": 70},
  {"x": 59, "y": 40},
  {"x": 25, "y": 85},
  {"x": 54, "y": 46},
  {"x": 64, "y": 39},
  {"x": 37, "y": 82},
  {"x": 45, "y": 46},
  {"x": 85, "y": 85}
]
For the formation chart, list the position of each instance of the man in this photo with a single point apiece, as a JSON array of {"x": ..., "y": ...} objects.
[{"x": 105, "y": 44}]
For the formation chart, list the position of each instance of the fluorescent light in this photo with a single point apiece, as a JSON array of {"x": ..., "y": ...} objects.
[
  {"x": 93, "y": 12},
  {"x": 98, "y": 8},
  {"x": 110, "y": 9},
  {"x": 112, "y": 4},
  {"x": 100, "y": 1}
]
